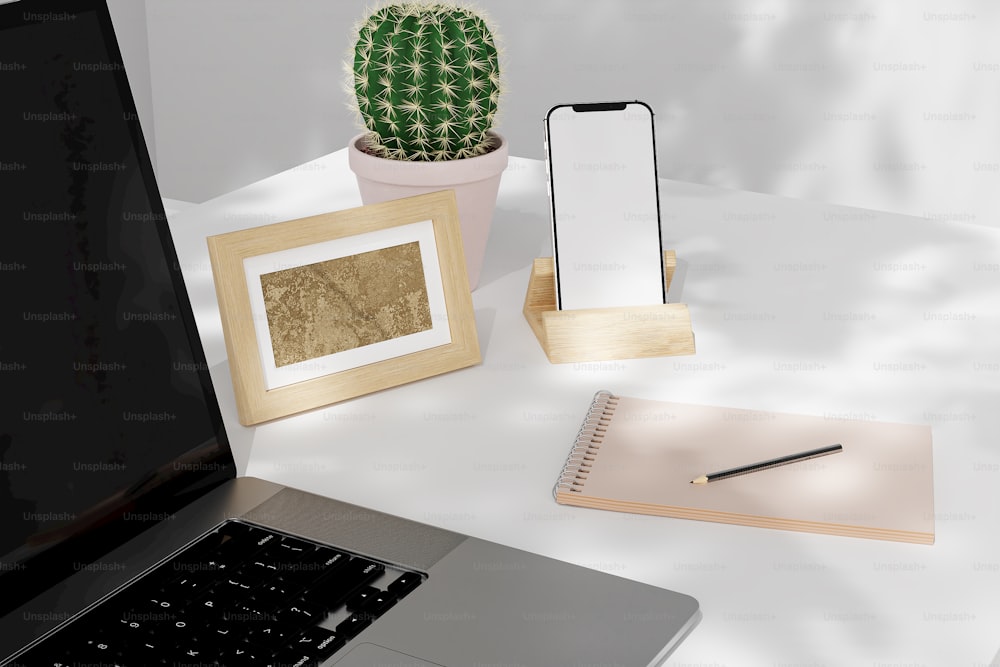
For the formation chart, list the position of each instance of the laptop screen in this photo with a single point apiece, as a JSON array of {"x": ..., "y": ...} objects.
[{"x": 108, "y": 422}]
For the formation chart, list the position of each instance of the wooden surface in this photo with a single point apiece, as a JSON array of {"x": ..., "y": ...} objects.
[
  {"x": 256, "y": 404},
  {"x": 600, "y": 334}
]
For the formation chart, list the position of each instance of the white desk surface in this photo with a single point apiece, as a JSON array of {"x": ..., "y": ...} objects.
[{"x": 796, "y": 306}]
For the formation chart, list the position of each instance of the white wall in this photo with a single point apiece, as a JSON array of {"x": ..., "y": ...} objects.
[{"x": 891, "y": 105}]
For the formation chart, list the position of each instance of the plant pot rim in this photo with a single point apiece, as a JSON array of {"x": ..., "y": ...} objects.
[{"x": 419, "y": 173}]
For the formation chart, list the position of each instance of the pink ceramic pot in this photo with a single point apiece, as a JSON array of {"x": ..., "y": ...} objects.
[{"x": 475, "y": 181}]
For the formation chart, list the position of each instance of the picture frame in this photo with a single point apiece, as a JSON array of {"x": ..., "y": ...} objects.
[{"x": 330, "y": 307}]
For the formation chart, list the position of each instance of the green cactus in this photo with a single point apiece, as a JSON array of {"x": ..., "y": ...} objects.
[{"x": 426, "y": 78}]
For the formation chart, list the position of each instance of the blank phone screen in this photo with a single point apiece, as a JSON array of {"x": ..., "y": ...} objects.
[{"x": 605, "y": 209}]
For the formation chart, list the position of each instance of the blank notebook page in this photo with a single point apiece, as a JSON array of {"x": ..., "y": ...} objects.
[{"x": 880, "y": 485}]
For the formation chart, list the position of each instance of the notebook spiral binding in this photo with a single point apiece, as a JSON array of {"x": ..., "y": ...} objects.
[{"x": 587, "y": 444}]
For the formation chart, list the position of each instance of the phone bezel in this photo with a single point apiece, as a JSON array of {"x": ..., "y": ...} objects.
[{"x": 591, "y": 107}]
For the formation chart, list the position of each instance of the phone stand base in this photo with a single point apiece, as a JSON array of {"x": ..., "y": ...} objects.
[{"x": 603, "y": 334}]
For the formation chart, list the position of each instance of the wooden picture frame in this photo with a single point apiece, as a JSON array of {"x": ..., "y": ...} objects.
[{"x": 334, "y": 306}]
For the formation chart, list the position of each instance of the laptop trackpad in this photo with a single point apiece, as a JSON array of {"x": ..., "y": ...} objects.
[{"x": 370, "y": 655}]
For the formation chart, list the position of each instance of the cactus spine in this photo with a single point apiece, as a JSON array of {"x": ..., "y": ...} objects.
[{"x": 426, "y": 79}]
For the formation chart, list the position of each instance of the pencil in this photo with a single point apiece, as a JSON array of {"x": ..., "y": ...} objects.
[{"x": 764, "y": 465}]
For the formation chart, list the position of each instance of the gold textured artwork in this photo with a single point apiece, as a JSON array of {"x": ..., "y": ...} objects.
[
  {"x": 345, "y": 303},
  {"x": 324, "y": 301}
]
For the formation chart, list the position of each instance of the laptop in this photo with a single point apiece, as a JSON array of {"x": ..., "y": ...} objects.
[{"x": 127, "y": 537}]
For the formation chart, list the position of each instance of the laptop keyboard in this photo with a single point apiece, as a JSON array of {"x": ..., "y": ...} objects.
[{"x": 242, "y": 595}]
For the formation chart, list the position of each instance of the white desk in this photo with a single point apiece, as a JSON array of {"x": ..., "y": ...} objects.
[{"x": 796, "y": 306}]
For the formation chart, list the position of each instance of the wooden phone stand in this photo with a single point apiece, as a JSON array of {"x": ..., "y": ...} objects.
[{"x": 601, "y": 334}]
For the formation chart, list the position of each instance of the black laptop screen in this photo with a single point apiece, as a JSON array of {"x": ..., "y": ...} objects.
[{"x": 107, "y": 420}]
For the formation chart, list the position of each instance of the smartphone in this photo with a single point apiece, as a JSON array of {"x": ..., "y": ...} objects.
[{"x": 600, "y": 163}]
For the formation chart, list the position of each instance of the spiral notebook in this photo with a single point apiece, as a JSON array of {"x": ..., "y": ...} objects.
[{"x": 640, "y": 456}]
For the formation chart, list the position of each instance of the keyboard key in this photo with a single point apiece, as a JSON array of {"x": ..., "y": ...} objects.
[
  {"x": 332, "y": 559},
  {"x": 321, "y": 642},
  {"x": 292, "y": 546},
  {"x": 301, "y": 614},
  {"x": 314, "y": 564},
  {"x": 242, "y": 655},
  {"x": 236, "y": 584},
  {"x": 405, "y": 583},
  {"x": 291, "y": 656},
  {"x": 336, "y": 588},
  {"x": 311, "y": 639},
  {"x": 353, "y": 625},
  {"x": 149, "y": 651},
  {"x": 271, "y": 634},
  {"x": 274, "y": 594},
  {"x": 282, "y": 558},
  {"x": 193, "y": 652},
  {"x": 134, "y": 626},
  {"x": 360, "y": 597},
  {"x": 248, "y": 613},
  {"x": 210, "y": 605},
  {"x": 103, "y": 651},
  {"x": 258, "y": 541},
  {"x": 262, "y": 569},
  {"x": 180, "y": 632},
  {"x": 209, "y": 564},
  {"x": 372, "y": 601},
  {"x": 371, "y": 570},
  {"x": 161, "y": 605},
  {"x": 188, "y": 587},
  {"x": 223, "y": 633}
]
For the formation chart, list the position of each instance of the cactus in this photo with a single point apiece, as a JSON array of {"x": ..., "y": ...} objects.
[{"x": 426, "y": 81}]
